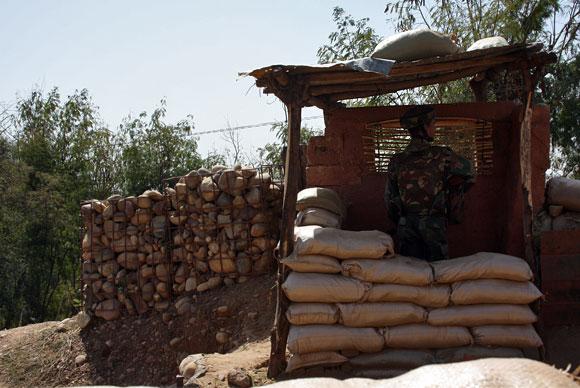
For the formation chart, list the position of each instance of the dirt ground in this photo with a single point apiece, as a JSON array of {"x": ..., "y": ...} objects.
[{"x": 137, "y": 350}]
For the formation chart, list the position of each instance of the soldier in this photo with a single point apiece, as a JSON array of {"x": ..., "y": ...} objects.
[{"x": 425, "y": 186}]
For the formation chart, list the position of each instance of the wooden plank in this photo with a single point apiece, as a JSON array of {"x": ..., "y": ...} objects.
[
  {"x": 281, "y": 326},
  {"x": 562, "y": 313},
  {"x": 563, "y": 242},
  {"x": 526, "y": 176}
]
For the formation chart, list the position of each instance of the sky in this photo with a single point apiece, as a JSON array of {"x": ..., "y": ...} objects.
[{"x": 131, "y": 54}]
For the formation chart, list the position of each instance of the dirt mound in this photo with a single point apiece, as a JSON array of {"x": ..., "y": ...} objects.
[{"x": 144, "y": 350}]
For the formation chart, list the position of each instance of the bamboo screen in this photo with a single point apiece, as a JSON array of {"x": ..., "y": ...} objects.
[{"x": 470, "y": 138}]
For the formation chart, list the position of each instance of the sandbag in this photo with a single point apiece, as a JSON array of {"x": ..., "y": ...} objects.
[
  {"x": 520, "y": 336},
  {"x": 422, "y": 336},
  {"x": 482, "y": 314},
  {"x": 494, "y": 291},
  {"x": 415, "y": 44},
  {"x": 312, "y": 263},
  {"x": 487, "y": 373},
  {"x": 427, "y": 296},
  {"x": 396, "y": 270},
  {"x": 320, "y": 217},
  {"x": 394, "y": 358},
  {"x": 312, "y": 314},
  {"x": 467, "y": 353},
  {"x": 379, "y": 373},
  {"x": 565, "y": 192},
  {"x": 323, "y": 288},
  {"x": 324, "y": 338},
  {"x": 342, "y": 244},
  {"x": 322, "y": 198},
  {"x": 485, "y": 43},
  {"x": 298, "y": 361},
  {"x": 380, "y": 314},
  {"x": 482, "y": 265}
]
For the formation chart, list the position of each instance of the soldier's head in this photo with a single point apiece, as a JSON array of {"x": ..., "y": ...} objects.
[{"x": 420, "y": 122}]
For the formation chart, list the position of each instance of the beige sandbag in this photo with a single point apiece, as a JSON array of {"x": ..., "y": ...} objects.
[
  {"x": 324, "y": 338},
  {"x": 312, "y": 263},
  {"x": 320, "y": 217},
  {"x": 322, "y": 198},
  {"x": 421, "y": 336},
  {"x": 482, "y": 314},
  {"x": 380, "y": 314},
  {"x": 298, "y": 361},
  {"x": 415, "y": 44},
  {"x": 565, "y": 192},
  {"x": 466, "y": 353},
  {"x": 323, "y": 288},
  {"x": 312, "y": 314},
  {"x": 494, "y": 291},
  {"x": 342, "y": 244},
  {"x": 486, "y": 373},
  {"x": 427, "y": 296},
  {"x": 397, "y": 270},
  {"x": 394, "y": 358},
  {"x": 520, "y": 336},
  {"x": 485, "y": 43},
  {"x": 482, "y": 265},
  {"x": 381, "y": 373}
]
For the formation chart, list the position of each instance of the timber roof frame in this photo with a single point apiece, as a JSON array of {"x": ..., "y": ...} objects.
[{"x": 325, "y": 85}]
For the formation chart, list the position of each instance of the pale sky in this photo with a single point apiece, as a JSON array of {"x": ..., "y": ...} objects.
[{"x": 131, "y": 54}]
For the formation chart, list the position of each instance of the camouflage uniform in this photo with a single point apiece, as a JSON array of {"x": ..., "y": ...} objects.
[{"x": 417, "y": 195}]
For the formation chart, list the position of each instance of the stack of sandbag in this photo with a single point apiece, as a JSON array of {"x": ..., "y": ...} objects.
[
  {"x": 385, "y": 315},
  {"x": 319, "y": 206},
  {"x": 144, "y": 252},
  {"x": 563, "y": 200}
]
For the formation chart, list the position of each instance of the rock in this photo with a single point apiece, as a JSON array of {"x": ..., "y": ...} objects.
[
  {"x": 239, "y": 378},
  {"x": 80, "y": 359},
  {"x": 252, "y": 315},
  {"x": 192, "y": 366},
  {"x": 190, "y": 284},
  {"x": 222, "y": 311},
  {"x": 109, "y": 343},
  {"x": 82, "y": 319},
  {"x": 61, "y": 327},
  {"x": 222, "y": 337},
  {"x": 108, "y": 309},
  {"x": 175, "y": 341},
  {"x": 192, "y": 320}
]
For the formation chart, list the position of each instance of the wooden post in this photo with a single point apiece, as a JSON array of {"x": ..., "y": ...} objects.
[
  {"x": 292, "y": 171},
  {"x": 526, "y": 176}
]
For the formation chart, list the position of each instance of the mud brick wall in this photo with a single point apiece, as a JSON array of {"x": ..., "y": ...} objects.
[{"x": 493, "y": 216}]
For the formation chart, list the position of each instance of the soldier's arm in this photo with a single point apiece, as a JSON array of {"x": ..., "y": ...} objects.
[
  {"x": 392, "y": 195},
  {"x": 461, "y": 172}
]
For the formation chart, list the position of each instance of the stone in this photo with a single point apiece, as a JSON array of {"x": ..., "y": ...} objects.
[
  {"x": 222, "y": 311},
  {"x": 239, "y": 378},
  {"x": 229, "y": 282},
  {"x": 190, "y": 284},
  {"x": 222, "y": 337},
  {"x": 82, "y": 319},
  {"x": 175, "y": 341},
  {"x": 252, "y": 314},
  {"x": 80, "y": 359}
]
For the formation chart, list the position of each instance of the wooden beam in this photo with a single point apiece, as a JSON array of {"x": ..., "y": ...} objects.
[
  {"x": 292, "y": 173},
  {"x": 394, "y": 86},
  {"x": 526, "y": 177}
]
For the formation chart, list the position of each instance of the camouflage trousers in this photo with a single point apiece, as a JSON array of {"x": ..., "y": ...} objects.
[{"x": 423, "y": 237}]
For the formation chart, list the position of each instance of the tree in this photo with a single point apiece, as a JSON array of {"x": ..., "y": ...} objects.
[
  {"x": 271, "y": 153},
  {"x": 152, "y": 150}
]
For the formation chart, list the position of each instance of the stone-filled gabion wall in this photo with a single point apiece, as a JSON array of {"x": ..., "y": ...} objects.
[{"x": 210, "y": 228}]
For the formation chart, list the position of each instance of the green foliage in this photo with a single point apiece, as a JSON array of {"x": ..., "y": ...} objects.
[
  {"x": 54, "y": 154},
  {"x": 271, "y": 153},
  {"x": 152, "y": 150}
]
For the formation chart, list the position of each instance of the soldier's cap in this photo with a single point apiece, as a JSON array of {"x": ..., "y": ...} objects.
[{"x": 417, "y": 116}]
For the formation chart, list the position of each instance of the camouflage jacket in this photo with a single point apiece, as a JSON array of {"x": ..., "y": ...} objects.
[{"x": 418, "y": 179}]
